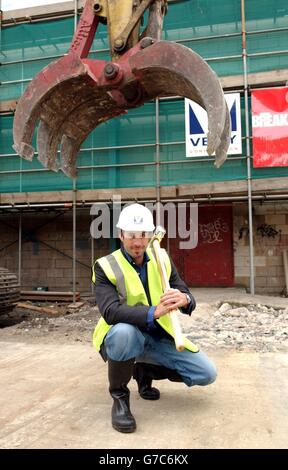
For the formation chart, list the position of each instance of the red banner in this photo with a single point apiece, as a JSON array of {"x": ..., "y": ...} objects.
[{"x": 270, "y": 127}]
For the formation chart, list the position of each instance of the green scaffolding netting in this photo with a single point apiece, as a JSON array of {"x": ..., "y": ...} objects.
[{"x": 108, "y": 154}]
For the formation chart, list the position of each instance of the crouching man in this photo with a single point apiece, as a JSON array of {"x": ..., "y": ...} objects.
[{"x": 134, "y": 333}]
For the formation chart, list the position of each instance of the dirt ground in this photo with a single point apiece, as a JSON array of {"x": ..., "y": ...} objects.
[
  {"x": 59, "y": 383},
  {"x": 67, "y": 325}
]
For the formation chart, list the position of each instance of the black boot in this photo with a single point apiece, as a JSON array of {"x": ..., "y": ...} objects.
[
  {"x": 119, "y": 374},
  {"x": 144, "y": 373}
]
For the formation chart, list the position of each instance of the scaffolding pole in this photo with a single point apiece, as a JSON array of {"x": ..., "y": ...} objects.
[
  {"x": 157, "y": 161},
  {"x": 20, "y": 248},
  {"x": 248, "y": 150},
  {"x": 92, "y": 255},
  {"x": 74, "y": 198}
]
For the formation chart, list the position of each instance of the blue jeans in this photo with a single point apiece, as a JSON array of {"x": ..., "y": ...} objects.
[{"x": 124, "y": 341}]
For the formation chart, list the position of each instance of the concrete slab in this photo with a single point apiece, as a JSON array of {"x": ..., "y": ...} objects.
[{"x": 55, "y": 396}]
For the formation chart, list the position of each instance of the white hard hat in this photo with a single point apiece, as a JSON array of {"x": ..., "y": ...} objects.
[{"x": 136, "y": 218}]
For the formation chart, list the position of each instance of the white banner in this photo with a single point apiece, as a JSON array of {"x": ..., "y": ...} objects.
[{"x": 196, "y": 127}]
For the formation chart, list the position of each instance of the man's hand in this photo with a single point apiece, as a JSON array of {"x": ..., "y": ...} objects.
[{"x": 170, "y": 300}]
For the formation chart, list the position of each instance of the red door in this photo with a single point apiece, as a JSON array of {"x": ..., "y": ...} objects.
[{"x": 211, "y": 262}]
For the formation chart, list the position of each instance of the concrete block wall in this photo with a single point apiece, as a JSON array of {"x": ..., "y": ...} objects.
[
  {"x": 270, "y": 238},
  {"x": 47, "y": 249}
]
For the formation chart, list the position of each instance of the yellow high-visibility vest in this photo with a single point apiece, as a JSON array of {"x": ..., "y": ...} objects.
[{"x": 131, "y": 290}]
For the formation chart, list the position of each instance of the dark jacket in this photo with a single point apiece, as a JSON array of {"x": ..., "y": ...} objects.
[{"x": 114, "y": 312}]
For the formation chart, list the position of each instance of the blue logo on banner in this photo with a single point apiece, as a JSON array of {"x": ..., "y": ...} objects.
[
  {"x": 233, "y": 117},
  {"x": 196, "y": 128}
]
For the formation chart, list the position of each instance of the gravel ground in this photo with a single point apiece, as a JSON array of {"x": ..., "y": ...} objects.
[{"x": 220, "y": 325}]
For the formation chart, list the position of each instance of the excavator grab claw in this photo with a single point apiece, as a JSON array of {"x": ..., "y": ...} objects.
[{"x": 73, "y": 95}]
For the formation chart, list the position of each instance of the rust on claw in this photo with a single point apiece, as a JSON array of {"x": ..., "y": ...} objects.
[{"x": 73, "y": 95}]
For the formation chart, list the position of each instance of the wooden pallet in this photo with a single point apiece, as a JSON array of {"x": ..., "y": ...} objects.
[{"x": 54, "y": 296}]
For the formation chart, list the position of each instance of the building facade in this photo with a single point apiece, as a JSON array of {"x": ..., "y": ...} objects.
[{"x": 242, "y": 220}]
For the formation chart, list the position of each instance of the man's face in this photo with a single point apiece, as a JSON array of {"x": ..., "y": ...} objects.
[{"x": 135, "y": 243}]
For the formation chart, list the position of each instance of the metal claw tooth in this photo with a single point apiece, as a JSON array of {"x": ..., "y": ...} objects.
[
  {"x": 82, "y": 120},
  {"x": 69, "y": 153},
  {"x": 24, "y": 150},
  {"x": 47, "y": 147},
  {"x": 221, "y": 151},
  {"x": 215, "y": 128},
  {"x": 39, "y": 100}
]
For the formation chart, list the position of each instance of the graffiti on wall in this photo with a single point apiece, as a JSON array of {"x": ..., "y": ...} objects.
[
  {"x": 266, "y": 230},
  {"x": 269, "y": 240},
  {"x": 213, "y": 231}
]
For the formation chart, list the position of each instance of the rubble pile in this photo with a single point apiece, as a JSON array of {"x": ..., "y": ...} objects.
[{"x": 250, "y": 327}]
